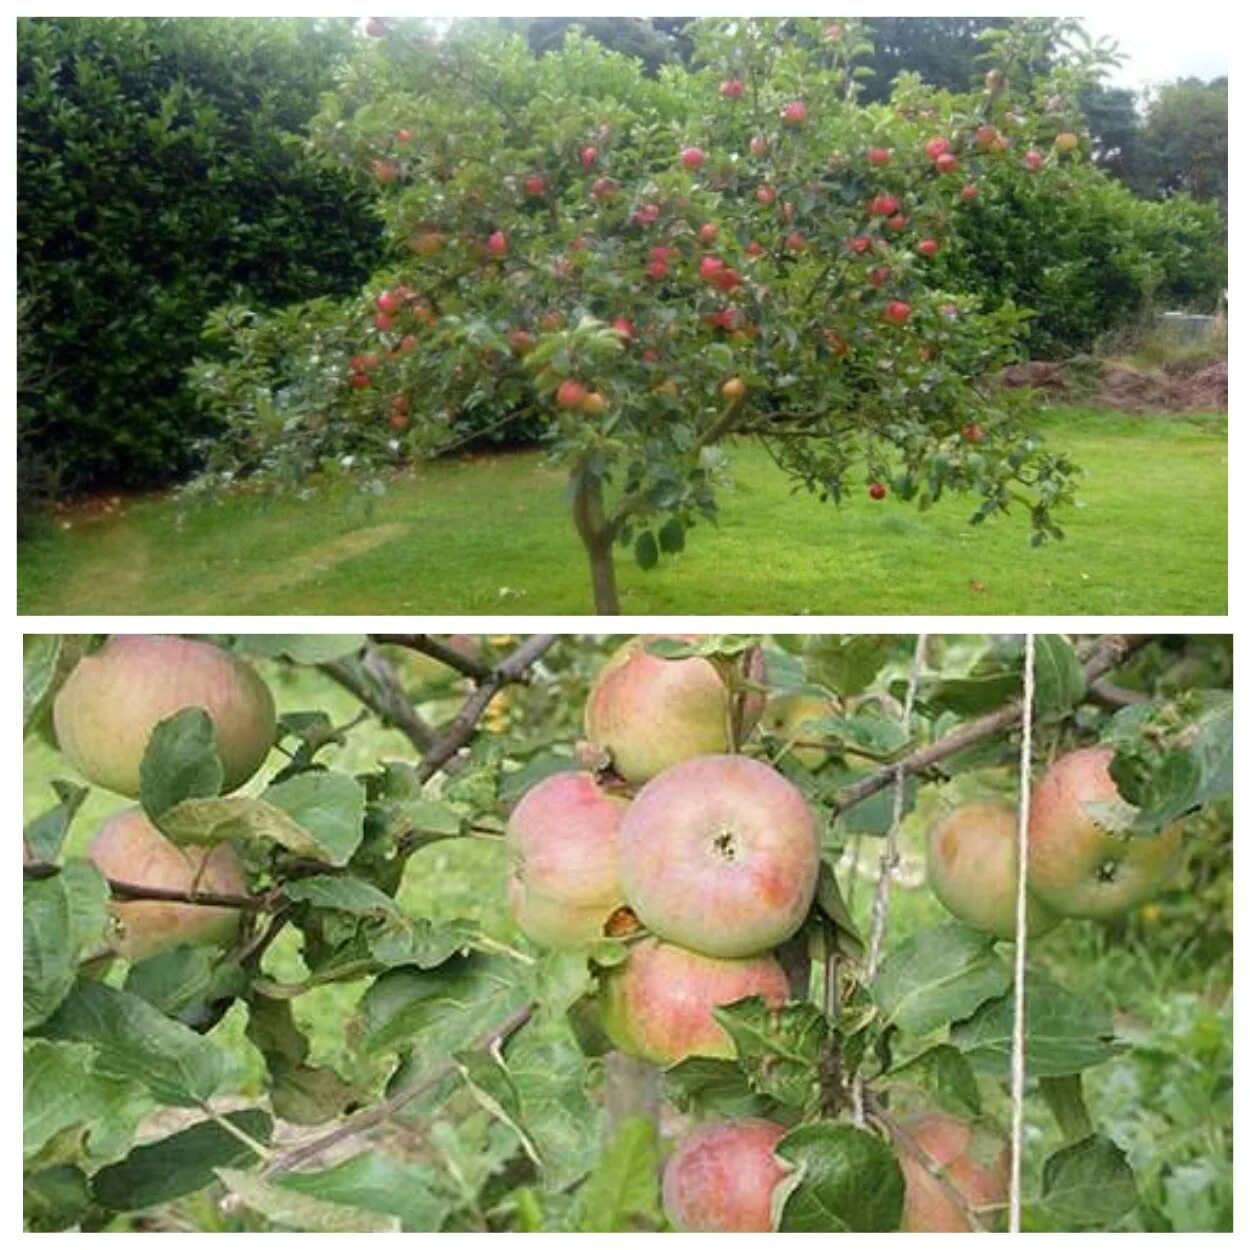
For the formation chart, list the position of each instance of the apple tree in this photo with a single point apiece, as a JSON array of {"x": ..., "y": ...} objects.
[
  {"x": 512, "y": 934},
  {"x": 645, "y": 272}
]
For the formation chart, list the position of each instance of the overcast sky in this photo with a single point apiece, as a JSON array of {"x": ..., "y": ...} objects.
[{"x": 1160, "y": 51}]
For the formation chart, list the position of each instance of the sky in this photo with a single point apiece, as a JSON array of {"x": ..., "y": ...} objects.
[{"x": 1161, "y": 51}]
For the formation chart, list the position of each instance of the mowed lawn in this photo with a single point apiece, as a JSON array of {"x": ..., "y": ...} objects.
[{"x": 492, "y": 535}]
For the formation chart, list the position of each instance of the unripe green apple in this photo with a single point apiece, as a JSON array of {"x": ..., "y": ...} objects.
[
  {"x": 649, "y": 712},
  {"x": 111, "y": 702},
  {"x": 658, "y": 1004},
  {"x": 787, "y": 716},
  {"x": 722, "y": 1176},
  {"x": 562, "y": 849},
  {"x": 1076, "y": 866},
  {"x": 129, "y": 848},
  {"x": 974, "y": 1164},
  {"x": 971, "y": 862},
  {"x": 720, "y": 854}
]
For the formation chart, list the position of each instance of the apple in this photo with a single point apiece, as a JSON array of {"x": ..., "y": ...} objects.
[
  {"x": 766, "y": 194},
  {"x": 112, "y": 700},
  {"x": 755, "y": 250},
  {"x": 648, "y": 712},
  {"x": 971, "y": 864},
  {"x": 589, "y": 156},
  {"x": 722, "y": 1176},
  {"x": 883, "y": 206},
  {"x": 1066, "y": 142},
  {"x": 403, "y": 136},
  {"x": 388, "y": 302},
  {"x": 522, "y": 342},
  {"x": 732, "y": 89},
  {"x": 759, "y": 146},
  {"x": 879, "y": 276},
  {"x": 897, "y": 312},
  {"x": 928, "y": 247},
  {"x": 861, "y": 244},
  {"x": 878, "y": 156},
  {"x": 647, "y": 215},
  {"x": 795, "y": 241},
  {"x": 787, "y": 716},
  {"x": 497, "y": 244},
  {"x": 972, "y": 433},
  {"x": 428, "y": 243},
  {"x": 561, "y": 842},
  {"x": 570, "y": 394},
  {"x": 375, "y": 27},
  {"x": 130, "y": 849},
  {"x": 710, "y": 266},
  {"x": 975, "y": 1164},
  {"x": 656, "y": 271},
  {"x": 384, "y": 171},
  {"x": 946, "y": 163},
  {"x": 794, "y": 113},
  {"x": 658, "y": 1005},
  {"x": 1077, "y": 866},
  {"x": 833, "y": 32},
  {"x": 968, "y": 192},
  {"x": 708, "y": 232},
  {"x": 719, "y": 854},
  {"x": 1034, "y": 160},
  {"x": 985, "y": 137},
  {"x": 625, "y": 328},
  {"x": 896, "y": 223},
  {"x": 594, "y": 404},
  {"x": 408, "y": 343},
  {"x": 382, "y": 322},
  {"x": 876, "y": 490},
  {"x": 692, "y": 158},
  {"x": 936, "y": 147},
  {"x": 535, "y": 184}
]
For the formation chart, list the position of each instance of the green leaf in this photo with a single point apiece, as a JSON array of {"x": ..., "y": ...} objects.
[
  {"x": 373, "y": 1181},
  {"x": 45, "y": 835},
  {"x": 286, "y": 1207},
  {"x": 174, "y": 979},
  {"x": 41, "y": 654},
  {"x": 60, "y": 915},
  {"x": 1064, "y": 1033},
  {"x": 938, "y": 976},
  {"x": 713, "y": 1087},
  {"x": 348, "y": 894},
  {"x": 848, "y": 663},
  {"x": 180, "y": 762},
  {"x": 779, "y": 1048},
  {"x": 622, "y": 1193},
  {"x": 646, "y": 551},
  {"x": 1089, "y": 1183},
  {"x": 830, "y": 901},
  {"x": 55, "y": 1199},
  {"x": 180, "y": 1164},
  {"x": 303, "y": 648},
  {"x": 672, "y": 537},
  {"x": 847, "y": 1180},
  {"x": 330, "y": 806},
  {"x": 1058, "y": 678},
  {"x": 309, "y": 1094},
  {"x": 1066, "y": 1100},
  {"x": 944, "y": 1077},
  {"x": 134, "y": 1040}
]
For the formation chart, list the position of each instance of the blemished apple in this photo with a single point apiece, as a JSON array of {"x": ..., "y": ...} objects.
[
  {"x": 649, "y": 712},
  {"x": 722, "y": 1176},
  {"x": 788, "y": 717},
  {"x": 1077, "y": 867},
  {"x": 109, "y": 705},
  {"x": 974, "y": 1164},
  {"x": 658, "y": 1005},
  {"x": 971, "y": 864},
  {"x": 561, "y": 841},
  {"x": 130, "y": 849},
  {"x": 720, "y": 854}
]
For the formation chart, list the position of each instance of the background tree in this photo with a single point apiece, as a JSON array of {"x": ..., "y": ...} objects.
[{"x": 1185, "y": 136}]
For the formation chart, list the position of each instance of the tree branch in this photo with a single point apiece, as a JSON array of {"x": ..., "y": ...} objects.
[
  {"x": 380, "y": 1112},
  {"x": 1107, "y": 653},
  {"x": 384, "y": 696},
  {"x": 426, "y": 644},
  {"x": 132, "y": 892}
]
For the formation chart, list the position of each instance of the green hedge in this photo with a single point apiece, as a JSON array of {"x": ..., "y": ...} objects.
[{"x": 161, "y": 171}]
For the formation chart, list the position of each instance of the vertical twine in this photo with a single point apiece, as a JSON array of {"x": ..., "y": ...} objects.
[
  {"x": 1022, "y": 879},
  {"x": 889, "y": 859}
]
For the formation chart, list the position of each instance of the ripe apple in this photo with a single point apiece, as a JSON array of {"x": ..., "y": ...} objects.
[
  {"x": 535, "y": 184},
  {"x": 766, "y": 194},
  {"x": 734, "y": 389},
  {"x": 971, "y": 865},
  {"x": 897, "y": 312},
  {"x": 522, "y": 342},
  {"x": 570, "y": 394},
  {"x": 625, "y": 328},
  {"x": 384, "y": 171},
  {"x": 732, "y": 89},
  {"x": 879, "y": 276},
  {"x": 788, "y": 716},
  {"x": 754, "y": 249},
  {"x": 658, "y": 1004},
  {"x": 861, "y": 244},
  {"x": 656, "y": 271},
  {"x": 936, "y": 147},
  {"x": 561, "y": 842},
  {"x": 129, "y": 848},
  {"x": 408, "y": 343},
  {"x": 1078, "y": 867},
  {"x": 883, "y": 206},
  {"x": 795, "y": 241},
  {"x": 400, "y": 402},
  {"x": 1033, "y": 159},
  {"x": 720, "y": 854},
  {"x": 1066, "y": 142},
  {"x": 549, "y": 322},
  {"x": 878, "y": 156},
  {"x": 692, "y": 158},
  {"x": 398, "y": 422},
  {"x": 708, "y": 232},
  {"x": 794, "y": 113},
  {"x": 947, "y": 163},
  {"x": 759, "y": 146},
  {"x": 594, "y": 404},
  {"x": 383, "y": 322},
  {"x": 896, "y": 223},
  {"x": 710, "y": 266},
  {"x": 722, "y": 1176},
  {"x": 497, "y": 244},
  {"x": 646, "y": 215},
  {"x": 589, "y": 156},
  {"x": 111, "y": 702},
  {"x": 928, "y": 247},
  {"x": 985, "y": 137},
  {"x": 388, "y": 302},
  {"x": 968, "y": 192},
  {"x": 650, "y": 712},
  {"x": 877, "y": 490},
  {"x": 975, "y": 1164},
  {"x": 972, "y": 433},
  {"x": 403, "y": 136}
]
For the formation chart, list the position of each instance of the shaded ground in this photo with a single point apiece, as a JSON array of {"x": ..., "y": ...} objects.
[{"x": 1116, "y": 384}]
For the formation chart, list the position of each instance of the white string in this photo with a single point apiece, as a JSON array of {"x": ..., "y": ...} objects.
[
  {"x": 889, "y": 858},
  {"x": 1022, "y": 909}
]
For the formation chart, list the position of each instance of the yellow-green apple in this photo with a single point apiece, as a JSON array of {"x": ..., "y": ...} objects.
[
  {"x": 720, "y": 854},
  {"x": 111, "y": 702},
  {"x": 788, "y": 716},
  {"x": 722, "y": 1176}
]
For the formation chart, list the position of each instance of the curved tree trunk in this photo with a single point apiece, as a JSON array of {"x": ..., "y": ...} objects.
[{"x": 597, "y": 535}]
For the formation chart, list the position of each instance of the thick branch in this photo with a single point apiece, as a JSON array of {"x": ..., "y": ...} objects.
[
  {"x": 384, "y": 695},
  {"x": 1107, "y": 653},
  {"x": 382, "y": 1111},
  {"x": 131, "y": 892},
  {"x": 427, "y": 644},
  {"x": 463, "y": 724}
]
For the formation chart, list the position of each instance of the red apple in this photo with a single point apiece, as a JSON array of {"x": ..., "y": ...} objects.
[
  {"x": 708, "y": 232},
  {"x": 759, "y": 146},
  {"x": 657, "y": 271},
  {"x": 497, "y": 244},
  {"x": 570, "y": 394},
  {"x": 794, "y": 113},
  {"x": 732, "y": 89},
  {"x": 928, "y": 247},
  {"x": 1033, "y": 159},
  {"x": 877, "y": 490},
  {"x": 604, "y": 188},
  {"x": 795, "y": 241},
  {"x": 766, "y": 194},
  {"x": 384, "y": 171},
  {"x": 589, "y": 156},
  {"x": 972, "y": 433},
  {"x": 722, "y": 1177},
  {"x": 896, "y": 223},
  {"x": 710, "y": 266},
  {"x": 946, "y": 163},
  {"x": 883, "y": 206},
  {"x": 897, "y": 311},
  {"x": 878, "y": 156},
  {"x": 937, "y": 146},
  {"x": 403, "y": 136},
  {"x": 535, "y": 184},
  {"x": 968, "y": 192},
  {"x": 692, "y": 158},
  {"x": 382, "y": 321},
  {"x": 976, "y": 1165},
  {"x": 625, "y": 328}
]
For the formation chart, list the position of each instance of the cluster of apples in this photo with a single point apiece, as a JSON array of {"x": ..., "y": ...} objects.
[{"x": 103, "y": 717}]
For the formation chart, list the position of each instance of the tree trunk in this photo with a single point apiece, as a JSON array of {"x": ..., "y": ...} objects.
[
  {"x": 597, "y": 535},
  {"x": 633, "y": 1089}
]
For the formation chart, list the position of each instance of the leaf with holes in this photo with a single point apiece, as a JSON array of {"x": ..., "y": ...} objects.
[{"x": 780, "y": 1048}]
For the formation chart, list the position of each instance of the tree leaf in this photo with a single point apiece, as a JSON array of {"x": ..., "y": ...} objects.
[
  {"x": 938, "y": 976},
  {"x": 55, "y": 1199},
  {"x": 303, "y": 1213},
  {"x": 848, "y": 663},
  {"x": 60, "y": 915},
  {"x": 713, "y": 1087},
  {"x": 1058, "y": 678},
  {"x": 45, "y": 835},
  {"x": 779, "y": 1048},
  {"x": 303, "y": 648},
  {"x": 41, "y": 654},
  {"x": 348, "y": 894},
  {"x": 373, "y": 1181},
  {"x": 177, "y": 1165},
  {"x": 622, "y": 1192},
  {"x": 180, "y": 762},
  {"x": 646, "y": 551},
  {"x": 1089, "y": 1183},
  {"x": 847, "y": 1180},
  {"x": 330, "y": 806},
  {"x": 944, "y": 1077}
]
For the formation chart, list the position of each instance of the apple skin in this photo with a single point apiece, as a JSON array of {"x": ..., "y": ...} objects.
[
  {"x": 649, "y": 712},
  {"x": 1078, "y": 868},
  {"x": 785, "y": 716},
  {"x": 562, "y": 850},
  {"x": 130, "y": 848},
  {"x": 951, "y": 1144},
  {"x": 720, "y": 854},
  {"x": 658, "y": 1004},
  {"x": 111, "y": 702},
  {"x": 971, "y": 866},
  {"x": 722, "y": 1176}
]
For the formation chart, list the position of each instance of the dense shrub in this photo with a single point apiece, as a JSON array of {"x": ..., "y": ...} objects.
[{"x": 161, "y": 172}]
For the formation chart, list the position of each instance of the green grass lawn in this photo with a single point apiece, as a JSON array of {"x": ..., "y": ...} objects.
[{"x": 492, "y": 535}]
